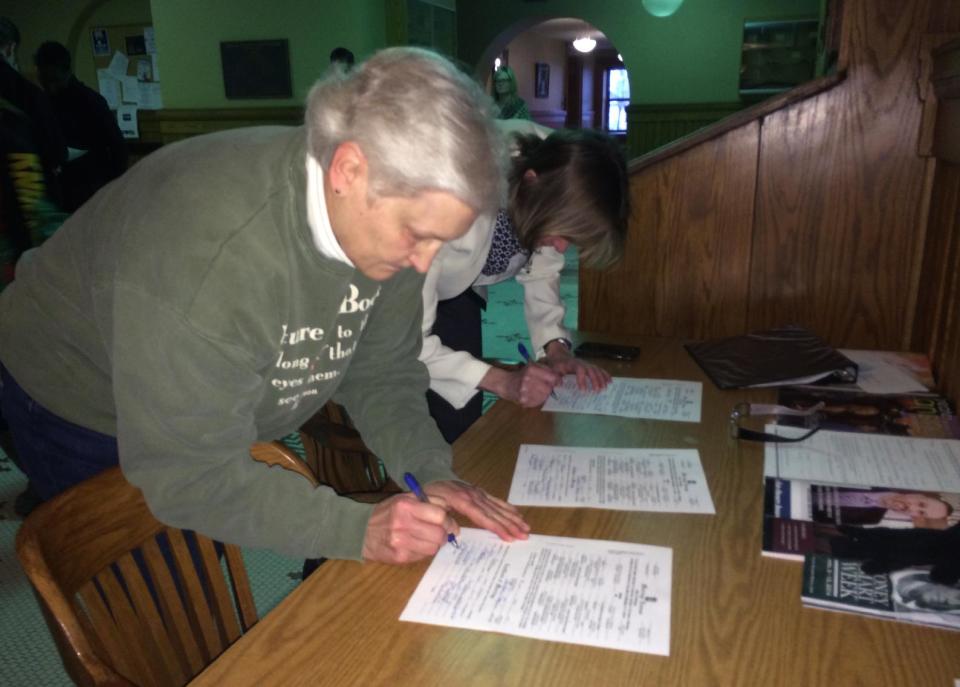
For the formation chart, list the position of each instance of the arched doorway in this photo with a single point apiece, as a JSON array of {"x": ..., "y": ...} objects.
[{"x": 563, "y": 87}]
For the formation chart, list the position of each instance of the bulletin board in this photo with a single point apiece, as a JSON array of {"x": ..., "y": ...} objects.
[{"x": 128, "y": 73}]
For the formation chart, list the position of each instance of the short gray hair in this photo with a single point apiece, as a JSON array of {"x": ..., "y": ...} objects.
[{"x": 421, "y": 122}]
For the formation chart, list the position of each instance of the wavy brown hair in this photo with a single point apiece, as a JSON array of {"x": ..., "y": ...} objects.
[{"x": 579, "y": 193}]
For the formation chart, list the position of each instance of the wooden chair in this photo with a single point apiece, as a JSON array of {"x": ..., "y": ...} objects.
[
  {"x": 337, "y": 456},
  {"x": 85, "y": 553}
]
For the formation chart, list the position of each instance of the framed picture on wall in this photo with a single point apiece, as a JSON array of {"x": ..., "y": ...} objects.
[
  {"x": 101, "y": 42},
  {"x": 256, "y": 69},
  {"x": 541, "y": 80}
]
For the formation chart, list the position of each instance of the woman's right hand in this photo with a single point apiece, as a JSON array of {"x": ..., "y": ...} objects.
[{"x": 527, "y": 386}]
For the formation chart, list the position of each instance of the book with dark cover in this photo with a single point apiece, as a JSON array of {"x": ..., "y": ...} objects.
[
  {"x": 775, "y": 357},
  {"x": 915, "y": 415},
  {"x": 907, "y": 595}
]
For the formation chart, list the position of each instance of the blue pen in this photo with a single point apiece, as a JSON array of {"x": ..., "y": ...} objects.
[
  {"x": 526, "y": 356},
  {"x": 418, "y": 492}
]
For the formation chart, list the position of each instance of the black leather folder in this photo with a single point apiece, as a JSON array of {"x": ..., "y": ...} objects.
[{"x": 775, "y": 357}]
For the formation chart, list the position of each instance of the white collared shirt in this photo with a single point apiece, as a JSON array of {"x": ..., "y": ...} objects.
[{"x": 323, "y": 237}]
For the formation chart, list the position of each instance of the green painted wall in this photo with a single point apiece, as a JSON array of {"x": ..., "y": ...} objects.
[
  {"x": 189, "y": 34},
  {"x": 692, "y": 56}
]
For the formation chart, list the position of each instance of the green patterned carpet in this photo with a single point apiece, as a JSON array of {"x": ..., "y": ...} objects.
[{"x": 28, "y": 657}]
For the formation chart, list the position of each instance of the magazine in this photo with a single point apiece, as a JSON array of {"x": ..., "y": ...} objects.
[
  {"x": 913, "y": 415},
  {"x": 800, "y": 518},
  {"x": 906, "y": 595}
]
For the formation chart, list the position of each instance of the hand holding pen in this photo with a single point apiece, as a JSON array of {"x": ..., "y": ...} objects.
[
  {"x": 418, "y": 492},
  {"x": 526, "y": 356}
]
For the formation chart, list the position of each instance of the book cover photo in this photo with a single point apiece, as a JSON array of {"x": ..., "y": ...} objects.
[
  {"x": 802, "y": 518},
  {"x": 907, "y": 595}
]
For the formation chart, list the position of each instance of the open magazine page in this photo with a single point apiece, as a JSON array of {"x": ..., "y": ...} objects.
[{"x": 913, "y": 415}]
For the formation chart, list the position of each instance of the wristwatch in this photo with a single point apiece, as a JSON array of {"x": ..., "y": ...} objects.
[{"x": 566, "y": 342}]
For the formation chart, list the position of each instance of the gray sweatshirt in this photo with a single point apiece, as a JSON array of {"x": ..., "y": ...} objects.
[{"x": 186, "y": 311}]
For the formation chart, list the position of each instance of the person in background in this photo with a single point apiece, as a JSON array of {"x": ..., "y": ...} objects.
[
  {"x": 567, "y": 189},
  {"x": 511, "y": 105},
  {"x": 31, "y": 152},
  {"x": 23, "y": 96},
  {"x": 343, "y": 57},
  {"x": 98, "y": 153},
  {"x": 227, "y": 286}
]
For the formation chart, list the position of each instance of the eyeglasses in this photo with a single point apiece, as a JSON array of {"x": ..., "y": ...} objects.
[{"x": 742, "y": 410}]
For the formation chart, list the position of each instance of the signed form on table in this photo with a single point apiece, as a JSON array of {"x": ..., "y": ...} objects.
[
  {"x": 582, "y": 591},
  {"x": 664, "y": 480},
  {"x": 651, "y": 399}
]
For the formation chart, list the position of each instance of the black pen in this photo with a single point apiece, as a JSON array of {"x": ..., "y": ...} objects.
[
  {"x": 418, "y": 492},
  {"x": 526, "y": 356}
]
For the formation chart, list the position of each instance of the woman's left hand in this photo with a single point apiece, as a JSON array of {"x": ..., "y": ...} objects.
[
  {"x": 589, "y": 377},
  {"x": 485, "y": 510}
]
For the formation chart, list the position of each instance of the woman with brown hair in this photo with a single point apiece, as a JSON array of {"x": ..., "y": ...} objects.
[{"x": 568, "y": 188}]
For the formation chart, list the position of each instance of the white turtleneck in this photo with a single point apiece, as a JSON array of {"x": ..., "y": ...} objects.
[{"x": 323, "y": 237}]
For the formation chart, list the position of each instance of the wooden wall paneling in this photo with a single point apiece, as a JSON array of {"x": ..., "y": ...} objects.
[
  {"x": 167, "y": 126},
  {"x": 688, "y": 251},
  {"x": 652, "y": 126},
  {"x": 938, "y": 321},
  {"x": 837, "y": 243}
]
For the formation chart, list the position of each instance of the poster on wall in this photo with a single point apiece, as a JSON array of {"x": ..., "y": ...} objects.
[
  {"x": 542, "y": 80},
  {"x": 101, "y": 42},
  {"x": 128, "y": 74}
]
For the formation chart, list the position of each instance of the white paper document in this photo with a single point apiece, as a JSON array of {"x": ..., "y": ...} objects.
[
  {"x": 127, "y": 121},
  {"x": 881, "y": 372},
  {"x": 118, "y": 65},
  {"x": 662, "y": 480},
  {"x": 581, "y": 591},
  {"x": 109, "y": 87},
  {"x": 874, "y": 460},
  {"x": 651, "y": 399}
]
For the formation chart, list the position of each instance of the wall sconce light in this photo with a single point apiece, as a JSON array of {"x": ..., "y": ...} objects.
[
  {"x": 661, "y": 8},
  {"x": 584, "y": 44},
  {"x": 496, "y": 64}
]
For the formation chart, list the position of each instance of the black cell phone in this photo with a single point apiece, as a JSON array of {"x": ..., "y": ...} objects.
[{"x": 595, "y": 349}]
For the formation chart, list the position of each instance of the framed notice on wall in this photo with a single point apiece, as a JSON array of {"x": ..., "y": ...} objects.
[
  {"x": 542, "y": 80},
  {"x": 256, "y": 69}
]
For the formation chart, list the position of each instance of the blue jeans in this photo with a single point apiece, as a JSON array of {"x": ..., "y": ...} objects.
[{"x": 54, "y": 454}]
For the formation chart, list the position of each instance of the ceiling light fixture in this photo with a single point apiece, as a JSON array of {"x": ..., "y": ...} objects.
[
  {"x": 584, "y": 44},
  {"x": 661, "y": 8}
]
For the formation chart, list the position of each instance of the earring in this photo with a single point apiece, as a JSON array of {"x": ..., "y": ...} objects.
[{"x": 337, "y": 191}]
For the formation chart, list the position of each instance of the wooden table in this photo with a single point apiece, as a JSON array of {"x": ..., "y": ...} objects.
[{"x": 737, "y": 617}]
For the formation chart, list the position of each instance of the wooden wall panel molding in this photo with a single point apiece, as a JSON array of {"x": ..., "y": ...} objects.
[
  {"x": 688, "y": 251},
  {"x": 938, "y": 320},
  {"x": 160, "y": 127},
  {"x": 838, "y": 236},
  {"x": 652, "y": 126}
]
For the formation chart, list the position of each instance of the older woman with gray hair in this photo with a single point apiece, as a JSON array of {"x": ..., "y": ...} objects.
[{"x": 227, "y": 286}]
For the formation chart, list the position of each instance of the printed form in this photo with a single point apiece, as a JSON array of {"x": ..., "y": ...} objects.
[
  {"x": 581, "y": 591},
  {"x": 650, "y": 399},
  {"x": 664, "y": 480},
  {"x": 873, "y": 460}
]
